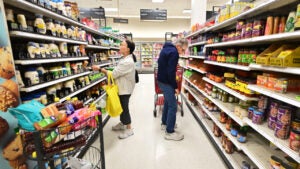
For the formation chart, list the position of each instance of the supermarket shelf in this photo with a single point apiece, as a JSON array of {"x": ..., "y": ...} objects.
[
  {"x": 114, "y": 57},
  {"x": 92, "y": 100},
  {"x": 53, "y": 60},
  {"x": 105, "y": 64},
  {"x": 269, "y": 135},
  {"x": 197, "y": 44},
  {"x": 196, "y": 33},
  {"x": 88, "y": 101},
  {"x": 197, "y": 57},
  {"x": 289, "y": 98},
  {"x": 82, "y": 89},
  {"x": 215, "y": 118},
  {"x": 99, "y": 98},
  {"x": 290, "y": 70},
  {"x": 228, "y": 65},
  {"x": 260, "y": 40},
  {"x": 228, "y": 108},
  {"x": 25, "y": 5},
  {"x": 234, "y": 159},
  {"x": 115, "y": 48},
  {"x": 228, "y": 90},
  {"x": 193, "y": 93},
  {"x": 20, "y": 34},
  {"x": 264, "y": 7},
  {"x": 96, "y": 47},
  {"x": 183, "y": 57},
  {"x": 43, "y": 85},
  {"x": 197, "y": 70}
]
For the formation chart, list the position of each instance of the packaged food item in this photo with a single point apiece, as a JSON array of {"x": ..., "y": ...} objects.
[
  {"x": 58, "y": 28},
  {"x": 50, "y": 110},
  {"x": 274, "y": 109},
  {"x": 294, "y": 140},
  {"x": 32, "y": 75},
  {"x": 290, "y": 23},
  {"x": 50, "y": 122},
  {"x": 282, "y": 131},
  {"x": 284, "y": 115},
  {"x": 276, "y": 25},
  {"x": 258, "y": 116},
  {"x": 297, "y": 22},
  {"x": 216, "y": 130},
  {"x": 242, "y": 136},
  {"x": 282, "y": 23},
  {"x": 51, "y": 30},
  {"x": 22, "y": 21},
  {"x": 63, "y": 47},
  {"x": 64, "y": 31},
  {"x": 248, "y": 30},
  {"x": 296, "y": 125},
  {"x": 258, "y": 28},
  {"x": 10, "y": 15},
  {"x": 39, "y": 24},
  {"x": 275, "y": 162},
  {"x": 229, "y": 147},
  {"x": 272, "y": 122},
  {"x": 33, "y": 50},
  {"x": 269, "y": 25}
]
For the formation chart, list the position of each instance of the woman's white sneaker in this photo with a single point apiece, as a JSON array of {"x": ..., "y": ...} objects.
[
  {"x": 126, "y": 133},
  {"x": 176, "y": 136},
  {"x": 119, "y": 126}
]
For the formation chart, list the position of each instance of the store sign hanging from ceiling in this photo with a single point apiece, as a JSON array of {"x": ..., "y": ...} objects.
[
  {"x": 153, "y": 14},
  {"x": 120, "y": 20},
  {"x": 92, "y": 12}
]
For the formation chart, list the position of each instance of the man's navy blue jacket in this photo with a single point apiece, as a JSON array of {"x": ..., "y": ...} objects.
[{"x": 167, "y": 65}]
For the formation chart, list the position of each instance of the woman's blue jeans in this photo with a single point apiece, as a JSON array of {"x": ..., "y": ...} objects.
[{"x": 170, "y": 106}]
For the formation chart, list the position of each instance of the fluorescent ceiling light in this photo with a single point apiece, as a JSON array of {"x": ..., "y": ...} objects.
[
  {"x": 138, "y": 16},
  {"x": 157, "y": 1},
  {"x": 111, "y": 9},
  {"x": 187, "y": 11}
]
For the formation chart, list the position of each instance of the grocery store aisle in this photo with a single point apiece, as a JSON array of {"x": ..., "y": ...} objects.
[{"x": 147, "y": 149}]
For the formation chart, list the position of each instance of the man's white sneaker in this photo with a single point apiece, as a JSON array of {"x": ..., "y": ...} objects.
[
  {"x": 164, "y": 127},
  {"x": 126, "y": 133},
  {"x": 119, "y": 126},
  {"x": 176, "y": 136}
]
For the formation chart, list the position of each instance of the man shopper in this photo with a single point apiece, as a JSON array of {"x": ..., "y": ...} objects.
[{"x": 166, "y": 77}]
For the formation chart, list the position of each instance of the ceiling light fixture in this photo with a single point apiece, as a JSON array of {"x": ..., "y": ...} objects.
[
  {"x": 157, "y": 1},
  {"x": 187, "y": 11},
  {"x": 111, "y": 9}
]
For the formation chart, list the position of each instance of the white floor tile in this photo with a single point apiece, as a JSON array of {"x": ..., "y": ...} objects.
[{"x": 147, "y": 149}]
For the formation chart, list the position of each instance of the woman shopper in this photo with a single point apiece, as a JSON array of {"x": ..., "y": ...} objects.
[
  {"x": 166, "y": 77},
  {"x": 124, "y": 76}
]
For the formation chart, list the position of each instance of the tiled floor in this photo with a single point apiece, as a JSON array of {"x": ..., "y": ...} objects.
[{"x": 147, "y": 149}]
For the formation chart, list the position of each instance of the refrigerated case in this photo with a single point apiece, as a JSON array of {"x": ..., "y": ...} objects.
[{"x": 147, "y": 55}]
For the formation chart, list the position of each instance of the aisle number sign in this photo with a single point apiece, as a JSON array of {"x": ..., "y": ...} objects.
[{"x": 153, "y": 14}]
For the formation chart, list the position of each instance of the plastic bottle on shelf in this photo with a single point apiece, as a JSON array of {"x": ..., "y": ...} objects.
[
  {"x": 69, "y": 106},
  {"x": 102, "y": 105}
]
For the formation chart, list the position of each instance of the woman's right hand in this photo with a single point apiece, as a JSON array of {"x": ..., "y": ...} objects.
[{"x": 95, "y": 67}]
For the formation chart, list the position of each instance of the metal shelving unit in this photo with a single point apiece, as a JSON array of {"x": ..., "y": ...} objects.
[
  {"x": 19, "y": 34},
  {"x": 230, "y": 91},
  {"x": 196, "y": 57},
  {"x": 228, "y": 65},
  {"x": 52, "y": 60},
  {"x": 96, "y": 47},
  {"x": 197, "y": 70},
  {"x": 46, "y": 84},
  {"x": 83, "y": 89},
  {"x": 290, "y": 70},
  {"x": 290, "y": 98},
  {"x": 197, "y": 44}
]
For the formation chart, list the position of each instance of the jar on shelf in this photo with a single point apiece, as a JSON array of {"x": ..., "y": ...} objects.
[
  {"x": 294, "y": 142},
  {"x": 64, "y": 32},
  {"x": 223, "y": 117},
  {"x": 32, "y": 75},
  {"x": 258, "y": 116},
  {"x": 33, "y": 50},
  {"x": 58, "y": 28},
  {"x": 63, "y": 48},
  {"x": 228, "y": 124},
  {"x": 229, "y": 147},
  {"x": 51, "y": 30},
  {"x": 39, "y": 24}
]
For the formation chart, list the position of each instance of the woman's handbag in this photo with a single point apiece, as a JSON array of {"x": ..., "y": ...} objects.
[{"x": 113, "y": 104}]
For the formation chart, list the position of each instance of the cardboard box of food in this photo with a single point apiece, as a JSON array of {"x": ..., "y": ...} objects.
[
  {"x": 264, "y": 57},
  {"x": 287, "y": 58}
]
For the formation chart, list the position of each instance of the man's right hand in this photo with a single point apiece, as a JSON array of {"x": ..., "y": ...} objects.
[{"x": 177, "y": 92}]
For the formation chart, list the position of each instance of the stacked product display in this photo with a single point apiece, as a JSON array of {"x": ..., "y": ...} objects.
[
  {"x": 52, "y": 51},
  {"x": 242, "y": 83}
]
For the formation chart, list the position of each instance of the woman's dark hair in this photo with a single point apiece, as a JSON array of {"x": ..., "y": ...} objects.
[{"x": 131, "y": 46}]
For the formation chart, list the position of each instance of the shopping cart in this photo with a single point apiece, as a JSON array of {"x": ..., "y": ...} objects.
[{"x": 159, "y": 98}]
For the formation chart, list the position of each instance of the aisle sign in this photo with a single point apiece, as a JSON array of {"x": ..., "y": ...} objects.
[
  {"x": 153, "y": 14},
  {"x": 92, "y": 12},
  {"x": 120, "y": 20}
]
